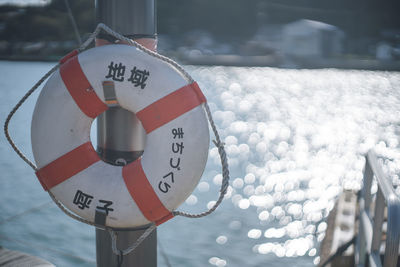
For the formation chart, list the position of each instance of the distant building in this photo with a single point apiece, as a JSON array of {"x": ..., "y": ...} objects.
[
  {"x": 384, "y": 51},
  {"x": 267, "y": 40},
  {"x": 308, "y": 38}
]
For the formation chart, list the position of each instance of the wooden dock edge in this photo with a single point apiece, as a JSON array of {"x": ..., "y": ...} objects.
[
  {"x": 341, "y": 228},
  {"x": 12, "y": 258}
]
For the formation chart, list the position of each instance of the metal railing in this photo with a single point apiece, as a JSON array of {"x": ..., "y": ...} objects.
[{"x": 369, "y": 238}]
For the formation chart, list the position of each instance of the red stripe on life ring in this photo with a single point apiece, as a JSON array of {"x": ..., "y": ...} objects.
[
  {"x": 143, "y": 193},
  {"x": 67, "y": 166},
  {"x": 170, "y": 107},
  {"x": 80, "y": 89}
]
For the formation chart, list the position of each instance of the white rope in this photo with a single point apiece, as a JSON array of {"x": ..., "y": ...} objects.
[
  {"x": 132, "y": 247},
  {"x": 16, "y": 107},
  {"x": 217, "y": 141},
  {"x": 225, "y": 171},
  {"x": 115, "y": 34},
  {"x": 16, "y": 216}
]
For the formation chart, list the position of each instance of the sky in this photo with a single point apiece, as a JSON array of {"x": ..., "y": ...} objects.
[{"x": 24, "y": 2}]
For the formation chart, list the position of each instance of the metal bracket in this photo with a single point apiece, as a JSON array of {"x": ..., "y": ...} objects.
[{"x": 100, "y": 217}]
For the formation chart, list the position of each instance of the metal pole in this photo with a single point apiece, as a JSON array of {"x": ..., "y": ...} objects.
[{"x": 120, "y": 135}]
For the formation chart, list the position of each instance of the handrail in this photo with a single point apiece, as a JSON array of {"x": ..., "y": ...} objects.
[{"x": 370, "y": 230}]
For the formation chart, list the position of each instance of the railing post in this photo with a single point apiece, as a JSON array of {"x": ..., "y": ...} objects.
[
  {"x": 392, "y": 239},
  {"x": 364, "y": 201},
  {"x": 366, "y": 191},
  {"x": 378, "y": 221},
  {"x": 370, "y": 231}
]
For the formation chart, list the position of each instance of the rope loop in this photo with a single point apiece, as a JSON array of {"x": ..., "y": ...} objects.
[
  {"x": 132, "y": 247},
  {"x": 217, "y": 141}
]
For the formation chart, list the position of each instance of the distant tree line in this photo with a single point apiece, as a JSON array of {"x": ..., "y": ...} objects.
[
  {"x": 50, "y": 22},
  {"x": 225, "y": 19}
]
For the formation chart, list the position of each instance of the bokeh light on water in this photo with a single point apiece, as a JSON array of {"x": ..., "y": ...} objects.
[{"x": 294, "y": 138}]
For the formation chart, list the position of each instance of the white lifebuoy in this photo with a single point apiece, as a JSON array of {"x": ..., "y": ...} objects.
[{"x": 170, "y": 110}]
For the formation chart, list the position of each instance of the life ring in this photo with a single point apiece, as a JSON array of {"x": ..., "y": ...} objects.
[{"x": 170, "y": 110}]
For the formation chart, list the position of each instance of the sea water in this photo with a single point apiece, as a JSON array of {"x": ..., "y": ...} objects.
[{"x": 294, "y": 138}]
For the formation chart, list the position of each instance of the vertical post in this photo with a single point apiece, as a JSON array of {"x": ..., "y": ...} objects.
[
  {"x": 120, "y": 135},
  {"x": 379, "y": 217},
  {"x": 365, "y": 202},
  {"x": 366, "y": 191}
]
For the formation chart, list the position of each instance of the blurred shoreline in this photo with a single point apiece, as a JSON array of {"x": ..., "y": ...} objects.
[
  {"x": 292, "y": 62},
  {"x": 290, "y": 34},
  {"x": 276, "y": 61}
]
